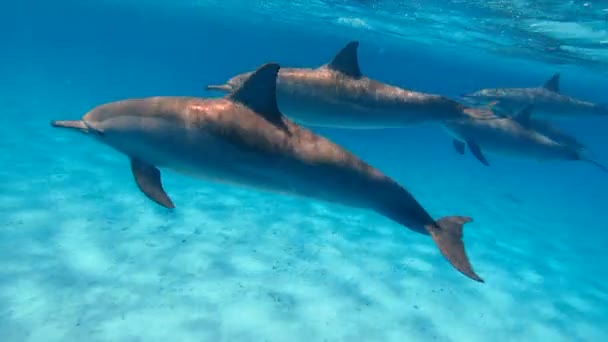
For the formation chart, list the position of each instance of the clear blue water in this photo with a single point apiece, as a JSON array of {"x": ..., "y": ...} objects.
[{"x": 85, "y": 256}]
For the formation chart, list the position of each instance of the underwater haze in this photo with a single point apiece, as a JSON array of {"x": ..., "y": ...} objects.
[{"x": 85, "y": 256}]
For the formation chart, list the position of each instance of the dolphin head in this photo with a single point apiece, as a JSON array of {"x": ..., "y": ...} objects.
[
  {"x": 96, "y": 122},
  {"x": 129, "y": 126},
  {"x": 232, "y": 84},
  {"x": 89, "y": 124},
  {"x": 136, "y": 127}
]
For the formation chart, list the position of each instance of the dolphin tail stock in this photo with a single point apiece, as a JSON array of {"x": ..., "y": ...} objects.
[
  {"x": 447, "y": 234},
  {"x": 588, "y": 157},
  {"x": 604, "y": 108},
  {"x": 597, "y": 164}
]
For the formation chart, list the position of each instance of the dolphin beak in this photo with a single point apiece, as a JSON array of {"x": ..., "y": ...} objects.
[
  {"x": 80, "y": 125},
  {"x": 220, "y": 87},
  {"x": 71, "y": 124}
]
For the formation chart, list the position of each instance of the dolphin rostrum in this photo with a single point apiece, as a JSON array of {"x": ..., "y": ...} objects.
[
  {"x": 243, "y": 139},
  {"x": 514, "y": 136},
  {"x": 337, "y": 94},
  {"x": 547, "y": 100}
]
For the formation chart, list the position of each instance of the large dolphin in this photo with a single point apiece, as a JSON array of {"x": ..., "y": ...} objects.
[
  {"x": 337, "y": 94},
  {"x": 512, "y": 136},
  {"x": 547, "y": 100},
  {"x": 243, "y": 139}
]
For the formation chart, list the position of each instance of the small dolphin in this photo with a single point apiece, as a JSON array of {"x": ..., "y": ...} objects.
[
  {"x": 337, "y": 94},
  {"x": 546, "y": 128},
  {"x": 243, "y": 139},
  {"x": 509, "y": 136},
  {"x": 547, "y": 100}
]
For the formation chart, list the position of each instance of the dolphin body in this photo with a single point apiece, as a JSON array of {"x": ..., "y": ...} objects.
[
  {"x": 243, "y": 139},
  {"x": 514, "y": 136},
  {"x": 547, "y": 100},
  {"x": 337, "y": 94}
]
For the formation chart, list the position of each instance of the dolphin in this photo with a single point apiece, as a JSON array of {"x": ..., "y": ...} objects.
[
  {"x": 337, "y": 94},
  {"x": 546, "y": 128},
  {"x": 547, "y": 99},
  {"x": 511, "y": 136},
  {"x": 243, "y": 139}
]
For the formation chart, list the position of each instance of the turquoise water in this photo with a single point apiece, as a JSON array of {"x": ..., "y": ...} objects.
[{"x": 85, "y": 256}]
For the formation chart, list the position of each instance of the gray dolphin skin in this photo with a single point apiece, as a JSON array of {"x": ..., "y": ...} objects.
[
  {"x": 244, "y": 140},
  {"x": 547, "y": 100},
  {"x": 511, "y": 136},
  {"x": 337, "y": 94}
]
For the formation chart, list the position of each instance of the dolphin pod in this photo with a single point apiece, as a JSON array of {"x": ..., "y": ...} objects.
[
  {"x": 337, "y": 94},
  {"x": 243, "y": 139},
  {"x": 254, "y": 136}
]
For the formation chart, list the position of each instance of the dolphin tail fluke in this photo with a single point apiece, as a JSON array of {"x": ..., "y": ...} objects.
[{"x": 447, "y": 234}]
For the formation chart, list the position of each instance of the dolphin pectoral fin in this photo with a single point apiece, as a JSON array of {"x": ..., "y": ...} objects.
[
  {"x": 476, "y": 151},
  {"x": 458, "y": 145},
  {"x": 346, "y": 60},
  {"x": 148, "y": 180},
  {"x": 447, "y": 234}
]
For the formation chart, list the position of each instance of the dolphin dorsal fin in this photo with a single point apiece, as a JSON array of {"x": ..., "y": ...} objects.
[
  {"x": 258, "y": 92},
  {"x": 346, "y": 60},
  {"x": 523, "y": 117},
  {"x": 553, "y": 83}
]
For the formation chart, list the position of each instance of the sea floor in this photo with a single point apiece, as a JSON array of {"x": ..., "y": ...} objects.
[{"x": 85, "y": 256}]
